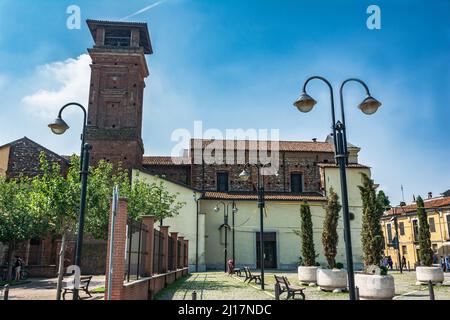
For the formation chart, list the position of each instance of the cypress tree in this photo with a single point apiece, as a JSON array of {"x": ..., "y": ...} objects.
[
  {"x": 371, "y": 232},
  {"x": 425, "y": 251},
  {"x": 306, "y": 234},
  {"x": 330, "y": 236}
]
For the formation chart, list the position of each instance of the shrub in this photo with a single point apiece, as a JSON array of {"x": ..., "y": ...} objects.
[
  {"x": 425, "y": 251},
  {"x": 330, "y": 237}
]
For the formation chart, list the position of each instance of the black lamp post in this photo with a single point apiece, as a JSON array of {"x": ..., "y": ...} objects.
[
  {"x": 59, "y": 127},
  {"x": 234, "y": 210},
  {"x": 305, "y": 103},
  {"x": 244, "y": 176}
]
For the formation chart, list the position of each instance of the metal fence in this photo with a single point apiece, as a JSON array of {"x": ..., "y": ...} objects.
[
  {"x": 158, "y": 253},
  {"x": 179, "y": 254},
  {"x": 171, "y": 253},
  {"x": 136, "y": 250}
]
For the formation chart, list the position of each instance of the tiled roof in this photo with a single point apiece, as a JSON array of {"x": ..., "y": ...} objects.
[
  {"x": 212, "y": 195},
  {"x": 306, "y": 146},
  {"x": 165, "y": 161},
  {"x": 429, "y": 203},
  {"x": 350, "y": 165}
]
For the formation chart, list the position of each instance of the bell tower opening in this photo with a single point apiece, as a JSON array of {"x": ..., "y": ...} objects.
[{"x": 118, "y": 72}]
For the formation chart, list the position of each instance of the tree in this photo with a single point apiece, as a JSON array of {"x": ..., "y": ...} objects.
[
  {"x": 152, "y": 198},
  {"x": 371, "y": 232},
  {"x": 56, "y": 200},
  {"x": 330, "y": 236},
  {"x": 383, "y": 200},
  {"x": 306, "y": 235},
  {"x": 102, "y": 178},
  {"x": 425, "y": 251},
  {"x": 17, "y": 222}
]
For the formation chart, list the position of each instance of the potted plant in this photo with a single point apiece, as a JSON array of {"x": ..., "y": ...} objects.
[
  {"x": 373, "y": 283},
  {"x": 307, "y": 270},
  {"x": 331, "y": 278},
  {"x": 426, "y": 271}
]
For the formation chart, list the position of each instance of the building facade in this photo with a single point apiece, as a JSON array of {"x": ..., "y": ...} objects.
[{"x": 438, "y": 214}]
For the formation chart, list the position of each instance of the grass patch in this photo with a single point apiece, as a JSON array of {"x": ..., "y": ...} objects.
[{"x": 98, "y": 290}]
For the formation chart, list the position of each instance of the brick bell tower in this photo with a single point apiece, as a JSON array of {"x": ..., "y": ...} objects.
[{"x": 118, "y": 73}]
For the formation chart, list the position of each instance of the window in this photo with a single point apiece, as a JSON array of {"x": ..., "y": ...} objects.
[
  {"x": 296, "y": 182},
  {"x": 222, "y": 181},
  {"x": 389, "y": 233},
  {"x": 401, "y": 226},
  {"x": 416, "y": 230},
  {"x": 432, "y": 226},
  {"x": 448, "y": 226},
  {"x": 405, "y": 250}
]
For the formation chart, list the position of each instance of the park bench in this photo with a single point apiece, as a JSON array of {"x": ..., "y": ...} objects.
[
  {"x": 84, "y": 286},
  {"x": 251, "y": 276},
  {"x": 237, "y": 271},
  {"x": 283, "y": 285}
]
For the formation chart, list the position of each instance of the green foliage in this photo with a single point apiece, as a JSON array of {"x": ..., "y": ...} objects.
[
  {"x": 383, "y": 200},
  {"x": 17, "y": 222},
  {"x": 308, "y": 255},
  {"x": 55, "y": 198},
  {"x": 330, "y": 236},
  {"x": 425, "y": 251},
  {"x": 339, "y": 265},
  {"x": 371, "y": 232}
]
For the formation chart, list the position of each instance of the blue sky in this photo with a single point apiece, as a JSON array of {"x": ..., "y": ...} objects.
[{"x": 241, "y": 64}]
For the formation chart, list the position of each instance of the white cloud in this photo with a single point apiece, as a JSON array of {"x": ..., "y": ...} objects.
[{"x": 63, "y": 81}]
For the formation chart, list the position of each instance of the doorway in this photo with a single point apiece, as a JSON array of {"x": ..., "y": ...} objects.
[{"x": 270, "y": 250}]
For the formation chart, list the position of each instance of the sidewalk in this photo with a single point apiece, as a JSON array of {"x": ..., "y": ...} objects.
[{"x": 45, "y": 289}]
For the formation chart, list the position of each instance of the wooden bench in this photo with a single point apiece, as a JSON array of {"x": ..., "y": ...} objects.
[
  {"x": 251, "y": 277},
  {"x": 84, "y": 286},
  {"x": 283, "y": 285},
  {"x": 237, "y": 271}
]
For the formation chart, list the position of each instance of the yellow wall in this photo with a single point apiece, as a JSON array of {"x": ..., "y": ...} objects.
[
  {"x": 282, "y": 218},
  {"x": 4, "y": 159},
  {"x": 185, "y": 222},
  {"x": 440, "y": 237}
]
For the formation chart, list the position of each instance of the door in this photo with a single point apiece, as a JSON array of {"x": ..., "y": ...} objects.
[{"x": 270, "y": 250}]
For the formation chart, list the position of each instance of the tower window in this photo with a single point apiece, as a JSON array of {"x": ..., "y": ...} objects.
[{"x": 118, "y": 38}]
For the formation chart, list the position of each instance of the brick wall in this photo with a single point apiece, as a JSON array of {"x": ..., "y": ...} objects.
[
  {"x": 204, "y": 177},
  {"x": 177, "y": 173}
]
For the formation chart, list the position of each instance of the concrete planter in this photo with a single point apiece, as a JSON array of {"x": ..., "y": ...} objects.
[
  {"x": 332, "y": 279},
  {"x": 307, "y": 275},
  {"x": 433, "y": 274},
  {"x": 375, "y": 287}
]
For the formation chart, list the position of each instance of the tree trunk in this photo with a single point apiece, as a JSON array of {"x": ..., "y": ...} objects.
[
  {"x": 11, "y": 253},
  {"x": 61, "y": 267}
]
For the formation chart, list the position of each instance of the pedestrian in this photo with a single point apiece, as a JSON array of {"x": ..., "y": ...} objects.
[
  {"x": 443, "y": 265},
  {"x": 404, "y": 262},
  {"x": 230, "y": 265},
  {"x": 447, "y": 263},
  {"x": 18, "y": 268},
  {"x": 390, "y": 262}
]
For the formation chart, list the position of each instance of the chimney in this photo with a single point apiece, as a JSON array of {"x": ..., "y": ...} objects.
[
  {"x": 430, "y": 195},
  {"x": 314, "y": 139}
]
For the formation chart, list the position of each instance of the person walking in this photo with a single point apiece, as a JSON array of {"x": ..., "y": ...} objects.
[
  {"x": 404, "y": 262},
  {"x": 390, "y": 263},
  {"x": 447, "y": 263},
  {"x": 443, "y": 266}
]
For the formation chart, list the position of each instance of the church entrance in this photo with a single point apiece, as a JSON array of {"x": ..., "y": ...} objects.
[{"x": 270, "y": 250}]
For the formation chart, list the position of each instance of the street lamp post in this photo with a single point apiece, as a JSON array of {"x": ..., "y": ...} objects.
[
  {"x": 59, "y": 127},
  {"x": 305, "y": 103},
  {"x": 244, "y": 176},
  {"x": 234, "y": 211},
  {"x": 225, "y": 225}
]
